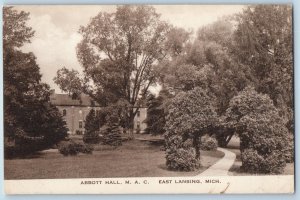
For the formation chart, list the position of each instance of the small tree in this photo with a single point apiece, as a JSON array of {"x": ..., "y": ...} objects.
[
  {"x": 91, "y": 128},
  {"x": 191, "y": 115},
  {"x": 112, "y": 135},
  {"x": 263, "y": 134},
  {"x": 91, "y": 124}
]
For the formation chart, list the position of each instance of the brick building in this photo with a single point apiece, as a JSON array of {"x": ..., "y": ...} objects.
[{"x": 74, "y": 112}]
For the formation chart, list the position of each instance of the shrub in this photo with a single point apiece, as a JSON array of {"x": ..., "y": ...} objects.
[
  {"x": 72, "y": 148},
  {"x": 255, "y": 162},
  {"x": 92, "y": 137},
  {"x": 264, "y": 137},
  {"x": 87, "y": 149},
  {"x": 191, "y": 114},
  {"x": 180, "y": 155},
  {"x": 289, "y": 149},
  {"x": 209, "y": 143},
  {"x": 69, "y": 149}
]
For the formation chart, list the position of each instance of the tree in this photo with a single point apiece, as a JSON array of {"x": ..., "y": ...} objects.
[
  {"x": 264, "y": 42},
  {"x": 15, "y": 30},
  {"x": 220, "y": 32},
  {"x": 263, "y": 134},
  {"x": 151, "y": 113},
  {"x": 118, "y": 52},
  {"x": 207, "y": 62},
  {"x": 91, "y": 124},
  {"x": 29, "y": 119},
  {"x": 68, "y": 81},
  {"x": 177, "y": 40},
  {"x": 92, "y": 127},
  {"x": 113, "y": 134},
  {"x": 156, "y": 112},
  {"x": 191, "y": 115}
]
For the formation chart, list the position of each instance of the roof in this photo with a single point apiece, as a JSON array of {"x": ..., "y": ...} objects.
[{"x": 66, "y": 100}]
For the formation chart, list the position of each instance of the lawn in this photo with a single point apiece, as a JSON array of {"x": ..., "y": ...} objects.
[
  {"x": 235, "y": 169},
  {"x": 133, "y": 159}
]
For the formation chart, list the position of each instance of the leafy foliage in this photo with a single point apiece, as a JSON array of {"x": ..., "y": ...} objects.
[
  {"x": 72, "y": 148},
  {"x": 264, "y": 42},
  {"x": 263, "y": 134},
  {"x": 180, "y": 156},
  {"x": 15, "y": 30},
  {"x": 29, "y": 119},
  {"x": 68, "y": 81},
  {"x": 209, "y": 143},
  {"x": 191, "y": 115},
  {"x": 118, "y": 52}
]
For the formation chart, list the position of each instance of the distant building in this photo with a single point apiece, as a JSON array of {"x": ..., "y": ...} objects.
[{"x": 74, "y": 112}]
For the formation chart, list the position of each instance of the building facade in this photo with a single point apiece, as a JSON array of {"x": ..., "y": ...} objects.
[{"x": 74, "y": 112}]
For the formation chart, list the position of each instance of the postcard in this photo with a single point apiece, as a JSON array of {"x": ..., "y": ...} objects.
[{"x": 148, "y": 99}]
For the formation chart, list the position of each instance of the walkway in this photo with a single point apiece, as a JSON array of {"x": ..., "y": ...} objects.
[{"x": 221, "y": 167}]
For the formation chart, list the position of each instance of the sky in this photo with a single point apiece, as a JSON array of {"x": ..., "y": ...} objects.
[{"x": 56, "y": 29}]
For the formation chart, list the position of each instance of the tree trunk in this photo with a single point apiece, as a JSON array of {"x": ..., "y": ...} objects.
[
  {"x": 196, "y": 144},
  {"x": 130, "y": 123}
]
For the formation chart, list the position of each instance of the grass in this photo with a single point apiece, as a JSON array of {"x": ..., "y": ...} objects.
[
  {"x": 236, "y": 170},
  {"x": 132, "y": 159}
]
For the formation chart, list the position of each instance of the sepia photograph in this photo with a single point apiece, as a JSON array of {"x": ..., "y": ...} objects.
[{"x": 115, "y": 99}]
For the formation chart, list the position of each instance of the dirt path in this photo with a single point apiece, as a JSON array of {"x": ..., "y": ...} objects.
[{"x": 221, "y": 167}]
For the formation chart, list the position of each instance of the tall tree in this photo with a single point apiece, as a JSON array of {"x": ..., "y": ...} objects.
[
  {"x": 207, "y": 62},
  {"x": 264, "y": 42},
  {"x": 118, "y": 52},
  {"x": 28, "y": 115}
]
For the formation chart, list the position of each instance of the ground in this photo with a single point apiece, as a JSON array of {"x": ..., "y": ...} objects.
[
  {"x": 133, "y": 159},
  {"x": 235, "y": 170}
]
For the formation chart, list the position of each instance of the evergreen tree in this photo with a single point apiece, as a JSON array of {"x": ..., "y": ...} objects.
[
  {"x": 92, "y": 127},
  {"x": 113, "y": 134}
]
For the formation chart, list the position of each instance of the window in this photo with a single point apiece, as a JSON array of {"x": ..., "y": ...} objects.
[
  {"x": 138, "y": 113},
  {"x": 80, "y": 124},
  {"x": 138, "y": 125},
  {"x": 64, "y": 112}
]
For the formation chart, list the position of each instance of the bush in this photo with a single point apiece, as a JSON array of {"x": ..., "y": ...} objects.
[
  {"x": 208, "y": 143},
  {"x": 190, "y": 115},
  {"x": 289, "y": 149},
  {"x": 254, "y": 162},
  {"x": 87, "y": 149},
  {"x": 264, "y": 138},
  {"x": 180, "y": 155},
  {"x": 72, "y": 148},
  {"x": 91, "y": 138}
]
